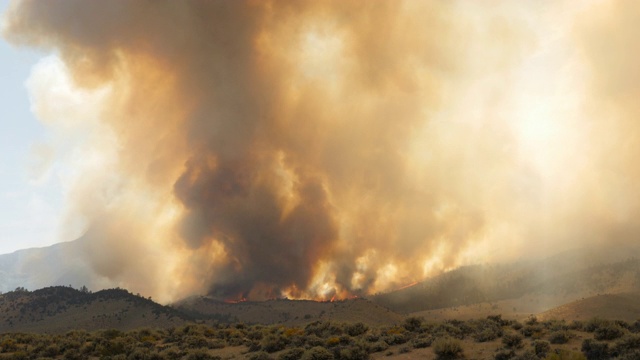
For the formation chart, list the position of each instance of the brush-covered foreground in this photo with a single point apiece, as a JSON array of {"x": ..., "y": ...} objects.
[{"x": 488, "y": 338}]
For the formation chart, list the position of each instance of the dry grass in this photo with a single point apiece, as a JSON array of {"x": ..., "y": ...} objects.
[{"x": 291, "y": 312}]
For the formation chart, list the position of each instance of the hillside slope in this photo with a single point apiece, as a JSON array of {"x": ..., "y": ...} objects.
[
  {"x": 60, "y": 309},
  {"x": 623, "y": 306},
  {"x": 565, "y": 276},
  {"x": 289, "y": 312}
]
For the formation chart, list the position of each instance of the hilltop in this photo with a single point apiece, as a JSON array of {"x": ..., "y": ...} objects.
[{"x": 60, "y": 309}]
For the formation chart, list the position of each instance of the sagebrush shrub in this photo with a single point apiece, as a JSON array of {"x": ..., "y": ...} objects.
[
  {"x": 317, "y": 353},
  {"x": 512, "y": 340},
  {"x": 541, "y": 347},
  {"x": 608, "y": 331},
  {"x": 595, "y": 350},
  {"x": 629, "y": 343},
  {"x": 378, "y": 346},
  {"x": 504, "y": 354},
  {"x": 413, "y": 324},
  {"x": 559, "y": 337},
  {"x": 422, "y": 342},
  {"x": 292, "y": 354},
  {"x": 260, "y": 355},
  {"x": 527, "y": 355},
  {"x": 356, "y": 329},
  {"x": 448, "y": 348}
]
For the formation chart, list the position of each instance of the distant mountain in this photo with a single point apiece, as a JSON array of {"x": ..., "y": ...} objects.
[
  {"x": 571, "y": 275},
  {"x": 59, "y": 264},
  {"x": 60, "y": 309}
]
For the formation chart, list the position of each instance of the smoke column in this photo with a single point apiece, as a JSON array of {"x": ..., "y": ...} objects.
[{"x": 316, "y": 148}]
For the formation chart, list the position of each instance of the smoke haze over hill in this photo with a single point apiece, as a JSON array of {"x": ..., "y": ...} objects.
[{"x": 317, "y": 148}]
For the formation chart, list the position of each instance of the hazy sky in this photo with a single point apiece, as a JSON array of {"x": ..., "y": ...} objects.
[
  {"x": 29, "y": 203},
  {"x": 310, "y": 149}
]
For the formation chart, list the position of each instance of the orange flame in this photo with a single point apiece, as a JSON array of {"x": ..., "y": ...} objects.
[
  {"x": 235, "y": 301},
  {"x": 407, "y": 286}
]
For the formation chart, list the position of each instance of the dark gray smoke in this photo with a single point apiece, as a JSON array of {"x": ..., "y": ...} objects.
[{"x": 313, "y": 148}]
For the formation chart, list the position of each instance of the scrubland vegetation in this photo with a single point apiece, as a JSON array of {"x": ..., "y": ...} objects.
[{"x": 507, "y": 339}]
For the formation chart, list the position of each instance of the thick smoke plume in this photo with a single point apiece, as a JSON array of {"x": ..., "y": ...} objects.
[{"x": 317, "y": 148}]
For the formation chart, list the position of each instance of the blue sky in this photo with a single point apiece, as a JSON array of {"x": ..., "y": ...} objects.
[{"x": 29, "y": 207}]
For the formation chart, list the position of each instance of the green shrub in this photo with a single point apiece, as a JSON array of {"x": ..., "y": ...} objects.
[
  {"x": 541, "y": 348},
  {"x": 111, "y": 334},
  {"x": 345, "y": 340},
  {"x": 595, "y": 323},
  {"x": 8, "y": 345},
  {"x": 421, "y": 342},
  {"x": 576, "y": 325},
  {"x": 527, "y": 355},
  {"x": 533, "y": 331},
  {"x": 632, "y": 355},
  {"x": 559, "y": 337},
  {"x": 353, "y": 353},
  {"x": 201, "y": 354},
  {"x": 372, "y": 336},
  {"x": 356, "y": 329},
  {"x": 72, "y": 354},
  {"x": 395, "y": 339},
  {"x": 595, "y": 350},
  {"x": 317, "y": 353},
  {"x": 623, "y": 324},
  {"x": 487, "y": 329},
  {"x": 272, "y": 343},
  {"x": 566, "y": 355},
  {"x": 139, "y": 354},
  {"x": 608, "y": 332},
  {"x": 112, "y": 347},
  {"x": 216, "y": 344},
  {"x": 292, "y": 354},
  {"x": 448, "y": 348},
  {"x": 378, "y": 346},
  {"x": 504, "y": 354},
  {"x": 485, "y": 335},
  {"x": 313, "y": 340},
  {"x": 626, "y": 344},
  {"x": 448, "y": 329},
  {"x": 531, "y": 320},
  {"x": 260, "y": 355},
  {"x": 196, "y": 341},
  {"x": 555, "y": 325},
  {"x": 254, "y": 334},
  {"x": 512, "y": 340},
  {"x": 20, "y": 355},
  {"x": 319, "y": 328},
  {"x": 172, "y": 353},
  {"x": 51, "y": 351},
  {"x": 332, "y": 342},
  {"x": 413, "y": 324}
]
